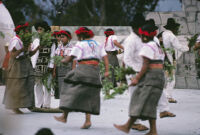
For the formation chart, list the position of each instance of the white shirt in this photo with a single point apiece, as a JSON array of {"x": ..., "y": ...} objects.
[
  {"x": 34, "y": 58},
  {"x": 17, "y": 44},
  {"x": 65, "y": 49},
  {"x": 132, "y": 47},
  {"x": 171, "y": 41},
  {"x": 88, "y": 49},
  {"x": 152, "y": 51},
  {"x": 109, "y": 44}
]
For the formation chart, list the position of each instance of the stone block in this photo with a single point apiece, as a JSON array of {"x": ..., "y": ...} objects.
[
  {"x": 198, "y": 17},
  {"x": 192, "y": 70},
  {"x": 191, "y": 16},
  {"x": 179, "y": 14},
  {"x": 192, "y": 58},
  {"x": 182, "y": 70},
  {"x": 197, "y": 28},
  {"x": 183, "y": 27},
  {"x": 155, "y": 16},
  {"x": 164, "y": 16},
  {"x": 194, "y": 2},
  {"x": 186, "y": 58},
  {"x": 186, "y": 2},
  {"x": 180, "y": 82},
  {"x": 192, "y": 82},
  {"x": 191, "y": 8},
  {"x": 198, "y": 4},
  {"x": 192, "y": 28}
]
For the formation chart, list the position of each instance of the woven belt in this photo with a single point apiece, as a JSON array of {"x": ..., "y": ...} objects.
[
  {"x": 156, "y": 66},
  {"x": 112, "y": 52},
  {"x": 89, "y": 62}
]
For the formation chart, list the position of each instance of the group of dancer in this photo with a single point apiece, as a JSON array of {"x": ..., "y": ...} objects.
[{"x": 78, "y": 78}]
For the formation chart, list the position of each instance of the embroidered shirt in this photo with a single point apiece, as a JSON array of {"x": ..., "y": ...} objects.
[
  {"x": 87, "y": 49},
  {"x": 109, "y": 44},
  {"x": 152, "y": 50},
  {"x": 64, "y": 50}
]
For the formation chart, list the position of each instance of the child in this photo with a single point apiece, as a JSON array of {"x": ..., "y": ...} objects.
[
  {"x": 63, "y": 50},
  {"x": 82, "y": 85},
  {"x": 111, "y": 47},
  {"x": 150, "y": 82}
]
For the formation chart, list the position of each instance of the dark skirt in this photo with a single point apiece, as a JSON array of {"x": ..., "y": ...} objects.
[
  {"x": 61, "y": 71},
  {"x": 113, "y": 61},
  {"x": 81, "y": 90},
  {"x": 19, "y": 92},
  {"x": 144, "y": 100}
]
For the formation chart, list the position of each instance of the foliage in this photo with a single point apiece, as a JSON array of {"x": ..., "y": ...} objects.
[
  {"x": 2, "y": 35},
  {"x": 57, "y": 60},
  {"x": 26, "y": 38},
  {"x": 192, "y": 41},
  {"x": 45, "y": 39},
  {"x": 48, "y": 81},
  {"x": 109, "y": 91},
  {"x": 169, "y": 68}
]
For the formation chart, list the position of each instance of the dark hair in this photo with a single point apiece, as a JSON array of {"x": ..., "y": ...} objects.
[
  {"x": 108, "y": 32},
  {"x": 66, "y": 33},
  {"x": 44, "y": 25},
  {"x": 138, "y": 21},
  {"x": 44, "y": 131}
]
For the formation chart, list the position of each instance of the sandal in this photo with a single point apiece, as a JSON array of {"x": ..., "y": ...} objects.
[
  {"x": 139, "y": 127},
  {"x": 171, "y": 100},
  {"x": 166, "y": 114}
]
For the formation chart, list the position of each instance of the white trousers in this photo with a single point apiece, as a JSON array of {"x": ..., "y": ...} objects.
[
  {"x": 163, "y": 104},
  {"x": 43, "y": 97},
  {"x": 169, "y": 87}
]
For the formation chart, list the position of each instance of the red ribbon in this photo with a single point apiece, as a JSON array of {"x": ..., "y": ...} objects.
[
  {"x": 146, "y": 33},
  {"x": 83, "y": 30},
  {"x": 108, "y": 33},
  {"x": 19, "y": 27},
  {"x": 65, "y": 33}
]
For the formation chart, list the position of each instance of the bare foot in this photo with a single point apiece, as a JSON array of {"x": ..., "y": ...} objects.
[
  {"x": 122, "y": 128},
  {"x": 60, "y": 119},
  {"x": 150, "y": 133},
  {"x": 17, "y": 111},
  {"x": 86, "y": 125}
]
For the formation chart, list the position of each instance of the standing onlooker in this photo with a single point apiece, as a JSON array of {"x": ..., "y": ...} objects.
[
  {"x": 43, "y": 65},
  {"x": 170, "y": 41}
]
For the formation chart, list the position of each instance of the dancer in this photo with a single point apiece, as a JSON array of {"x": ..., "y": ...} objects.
[
  {"x": 149, "y": 81},
  {"x": 82, "y": 85}
]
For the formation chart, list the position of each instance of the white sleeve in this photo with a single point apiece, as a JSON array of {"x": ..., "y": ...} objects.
[
  {"x": 51, "y": 62},
  {"x": 114, "y": 37},
  {"x": 147, "y": 52},
  {"x": 198, "y": 39},
  {"x": 176, "y": 44},
  {"x": 13, "y": 44},
  {"x": 35, "y": 44},
  {"x": 103, "y": 51},
  {"x": 77, "y": 52},
  {"x": 128, "y": 53}
]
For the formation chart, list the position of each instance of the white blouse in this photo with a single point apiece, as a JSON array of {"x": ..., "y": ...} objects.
[
  {"x": 64, "y": 50},
  {"x": 152, "y": 51},
  {"x": 109, "y": 45},
  {"x": 87, "y": 49},
  {"x": 17, "y": 44}
]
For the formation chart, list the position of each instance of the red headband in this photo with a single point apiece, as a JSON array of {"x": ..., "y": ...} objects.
[
  {"x": 83, "y": 30},
  {"x": 55, "y": 33},
  {"x": 62, "y": 32},
  {"x": 19, "y": 27},
  {"x": 146, "y": 33},
  {"x": 108, "y": 33}
]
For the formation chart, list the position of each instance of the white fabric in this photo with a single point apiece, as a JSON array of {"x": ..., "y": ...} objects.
[
  {"x": 163, "y": 104},
  {"x": 43, "y": 97},
  {"x": 34, "y": 45},
  {"x": 132, "y": 46},
  {"x": 109, "y": 45},
  {"x": 7, "y": 28},
  {"x": 17, "y": 44},
  {"x": 171, "y": 41},
  {"x": 87, "y": 49},
  {"x": 152, "y": 51},
  {"x": 65, "y": 48},
  {"x": 198, "y": 39}
]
